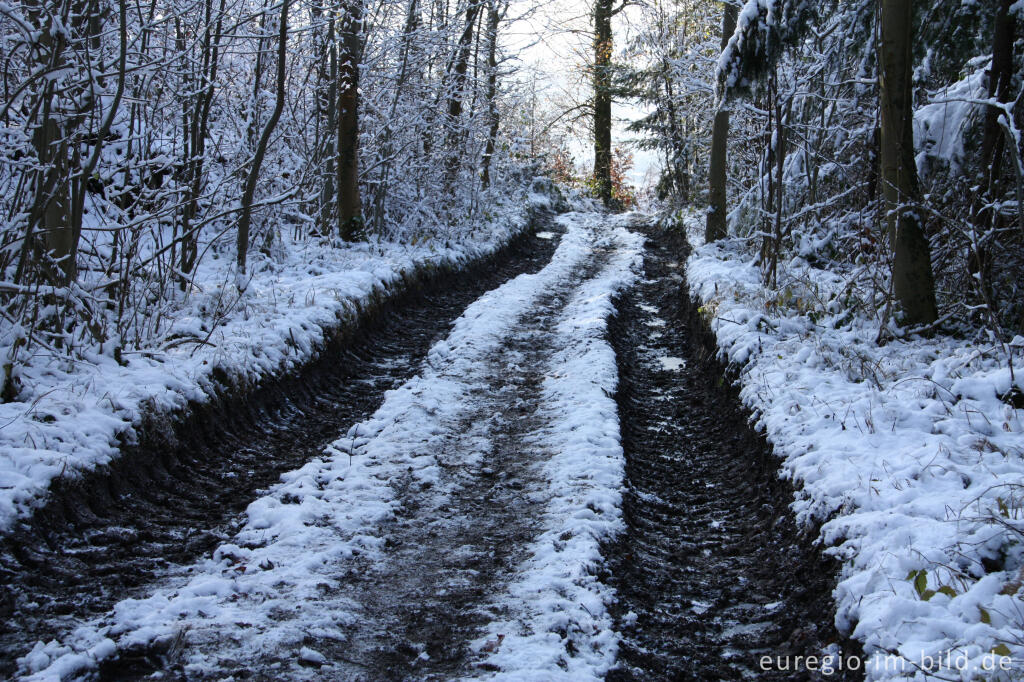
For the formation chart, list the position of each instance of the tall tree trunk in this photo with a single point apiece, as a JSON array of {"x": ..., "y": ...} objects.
[
  {"x": 913, "y": 284},
  {"x": 993, "y": 146},
  {"x": 198, "y": 131},
  {"x": 603, "y": 99},
  {"x": 715, "y": 227},
  {"x": 456, "y": 93},
  {"x": 328, "y": 197},
  {"x": 350, "y": 208},
  {"x": 50, "y": 206},
  {"x": 1000, "y": 84},
  {"x": 493, "y": 17},
  {"x": 412, "y": 21},
  {"x": 261, "y": 147}
]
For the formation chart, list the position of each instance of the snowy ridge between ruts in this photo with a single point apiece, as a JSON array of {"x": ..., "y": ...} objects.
[
  {"x": 906, "y": 453},
  {"x": 71, "y": 418},
  {"x": 556, "y": 599},
  {"x": 263, "y": 593}
]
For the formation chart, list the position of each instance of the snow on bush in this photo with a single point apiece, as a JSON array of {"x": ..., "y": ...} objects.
[{"x": 910, "y": 455}]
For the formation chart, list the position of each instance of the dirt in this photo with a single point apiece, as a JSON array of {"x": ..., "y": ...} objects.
[
  {"x": 453, "y": 552},
  {"x": 453, "y": 545},
  {"x": 177, "y": 494},
  {"x": 712, "y": 573}
]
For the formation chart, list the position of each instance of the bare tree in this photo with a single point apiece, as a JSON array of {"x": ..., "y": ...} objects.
[
  {"x": 913, "y": 284},
  {"x": 715, "y": 227},
  {"x": 245, "y": 218},
  {"x": 350, "y": 208}
]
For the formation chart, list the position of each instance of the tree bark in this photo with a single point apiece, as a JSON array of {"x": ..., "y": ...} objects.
[
  {"x": 603, "y": 100},
  {"x": 350, "y": 208},
  {"x": 457, "y": 86},
  {"x": 1000, "y": 84},
  {"x": 715, "y": 227},
  {"x": 493, "y": 17},
  {"x": 198, "y": 132},
  {"x": 913, "y": 284},
  {"x": 261, "y": 147}
]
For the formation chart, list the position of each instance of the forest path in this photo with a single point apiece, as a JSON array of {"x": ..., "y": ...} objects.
[
  {"x": 119, "y": 532},
  {"x": 711, "y": 572},
  {"x": 452, "y": 533},
  {"x": 544, "y": 495},
  {"x": 451, "y": 551}
]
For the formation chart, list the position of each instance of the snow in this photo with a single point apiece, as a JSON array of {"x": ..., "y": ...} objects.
[
  {"x": 557, "y": 599},
  {"x": 940, "y": 125},
  {"x": 904, "y": 454},
  {"x": 73, "y": 417},
  {"x": 262, "y": 593}
]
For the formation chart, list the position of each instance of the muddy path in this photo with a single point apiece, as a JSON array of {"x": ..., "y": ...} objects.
[
  {"x": 456, "y": 539},
  {"x": 109, "y": 535},
  {"x": 711, "y": 572},
  {"x": 454, "y": 547}
]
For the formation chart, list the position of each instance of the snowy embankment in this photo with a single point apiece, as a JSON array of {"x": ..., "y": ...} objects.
[
  {"x": 273, "y": 588},
  {"x": 910, "y": 454},
  {"x": 71, "y": 417}
]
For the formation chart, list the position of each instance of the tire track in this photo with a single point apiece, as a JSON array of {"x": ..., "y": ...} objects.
[
  {"x": 711, "y": 572},
  {"x": 452, "y": 551},
  {"x": 116, "y": 532}
]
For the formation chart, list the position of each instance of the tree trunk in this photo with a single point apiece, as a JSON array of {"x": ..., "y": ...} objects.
[
  {"x": 261, "y": 147},
  {"x": 913, "y": 284},
  {"x": 350, "y": 209},
  {"x": 328, "y": 197},
  {"x": 715, "y": 227},
  {"x": 1000, "y": 84},
  {"x": 50, "y": 207},
  {"x": 198, "y": 131},
  {"x": 603, "y": 100},
  {"x": 457, "y": 86},
  {"x": 493, "y": 17},
  {"x": 386, "y": 153}
]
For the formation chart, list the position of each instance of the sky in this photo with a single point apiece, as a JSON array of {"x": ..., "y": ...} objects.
[{"x": 548, "y": 37}]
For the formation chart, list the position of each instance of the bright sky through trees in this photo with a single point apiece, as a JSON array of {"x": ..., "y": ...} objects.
[{"x": 552, "y": 40}]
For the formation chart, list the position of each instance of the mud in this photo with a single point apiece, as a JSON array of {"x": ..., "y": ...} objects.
[
  {"x": 712, "y": 572},
  {"x": 174, "y": 496},
  {"x": 451, "y": 548}
]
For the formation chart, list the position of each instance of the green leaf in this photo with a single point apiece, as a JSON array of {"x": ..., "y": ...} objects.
[
  {"x": 921, "y": 582},
  {"x": 985, "y": 617},
  {"x": 927, "y": 594},
  {"x": 948, "y": 591},
  {"x": 1001, "y": 650},
  {"x": 912, "y": 574}
]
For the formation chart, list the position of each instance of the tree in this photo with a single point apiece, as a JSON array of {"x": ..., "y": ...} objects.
[
  {"x": 494, "y": 15},
  {"x": 457, "y": 92},
  {"x": 350, "y": 210},
  {"x": 715, "y": 227},
  {"x": 261, "y": 147},
  {"x": 603, "y": 13},
  {"x": 912, "y": 281}
]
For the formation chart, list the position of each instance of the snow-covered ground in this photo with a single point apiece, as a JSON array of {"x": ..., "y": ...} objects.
[
  {"x": 72, "y": 416},
  {"x": 905, "y": 452},
  {"x": 272, "y": 588}
]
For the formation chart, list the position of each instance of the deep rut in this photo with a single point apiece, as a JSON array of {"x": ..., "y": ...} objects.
[
  {"x": 711, "y": 572},
  {"x": 112, "y": 535}
]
